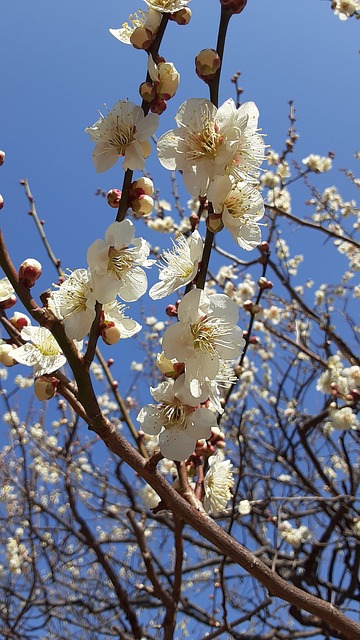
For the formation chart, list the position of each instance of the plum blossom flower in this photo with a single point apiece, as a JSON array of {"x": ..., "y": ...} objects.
[
  {"x": 344, "y": 9},
  {"x": 180, "y": 265},
  {"x": 116, "y": 266},
  {"x": 241, "y": 206},
  {"x": 123, "y": 132},
  {"x": 41, "y": 351},
  {"x": 294, "y": 536},
  {"x": 167, "y": 6},
  {"x": 74, "y": 303},
  {"x": 114, "y": 314},
  {"x": 179, "y": 425},
  {"x": 210, "y": 141},
  {"x": 205, "y": 335},
  {"x": 218, "y": 482},
  {"x": 6, "y": 289},
  {"x": 150, "y": 20}
]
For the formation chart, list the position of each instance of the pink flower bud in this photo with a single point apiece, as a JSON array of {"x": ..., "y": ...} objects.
[
  {"x": 45, "y": 387},
  {"x": 110, "y": 333},
  {"x": 233, "y": 6},
  {"x": 29, "y": 272},
  {"x": 182, "y": 17},
  {"x": 20, "y": 320},
  {"x": 264, "y": 283},
  {"x": 158, "y": 106},
  {"x": 9, "y": 302},
  {"x": 171, "y": 311},
  {"x": 5, "y": 357},
  {"x": 1, "y": 202},
  {"x": 207, "y": 64},
  {"x": 2, "y": 158},
  {"x": 147, "y": 91},
  {"x": 113, "y": 198}
]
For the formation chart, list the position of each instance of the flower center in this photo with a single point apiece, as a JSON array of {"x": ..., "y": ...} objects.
[
  {"x": 120, "y": 261},
  {"x": 208, "y": 334},
  {"x": 204, "y": 143},
  {"x": 48, "y": 346},
  {"x": 177, "y": 260},
  {"x": 174, "y": 415}
]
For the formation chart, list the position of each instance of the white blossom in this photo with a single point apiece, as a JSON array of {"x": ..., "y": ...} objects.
[
  {"x": 210, "y": 141},
  {"x": 178, "y": 424},
  {"x": 123, "y": 132},
  {"x": 241, "y": 206},
  {"x": 180, "y": 265},
  {"x": 205, "y": 335},
  {"x": 41, "y": 351},
  {"x": 149, "y": 19},
  {"x": 167, "y": 6},
  {"x": 74, "y": 302},
  {"x": 6, "y": 289},
  {"x": 218, "y": 483},
  {"x": 116, "y": 266}
]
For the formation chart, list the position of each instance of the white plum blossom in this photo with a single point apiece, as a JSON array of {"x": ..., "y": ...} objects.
[
  {"x": 123, "y": 132},
  {"x": 149, "y": 19},
  {"x": 344, "y": 418},
  {"x": 178, "y": 424},
  {"x": 165, "y": 78},
  {"x": 316, "y": 163},
  {"x": 241, "y": 206},
  {"x": 218, "y": 483},
  {"x": 74, "y": 303},
  {"x": 40, "y": 351},
  {"x": 116, "y": 266},
  {"x": 6, "y": 289},
  {"x": 114, "y": 313},
  {"x": 344, "y": 9},
  {"x": 294, "y": 536},
  {"x": 180, "y": 265},
  {"x": 167, "y": 6},
  {"x": 205, "y": 335},
  {"x": 210, "y": 141}
]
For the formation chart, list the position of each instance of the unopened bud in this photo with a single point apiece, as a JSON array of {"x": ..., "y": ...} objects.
[
  {"x": 147, "y": 91},
  {"x": 214, "y": 222},
  {"x": 167, "y": 84},
  {"x": 182, "y": 17},
  {"x": 9, "y": 302},
  {"x": 113, "y": 198},
  {"x": 264, "y": 247},
  {"x": 20, "y": 320},
  {"x": 110, "y": 332},
  {"x": 5, "y": 357},
  {"x": 233, "y": 6},
  {"x": 171, "y": 311},
  {"x": 141, "y": 38},
  {"x": 248, "y": 305},
  {"x": 158, "y": 106},
  {"x": 264, "y": 283},
  {"x": 143, "y": 204},
  {"x": 141, "y": 186},
  {"x": 1, "y": 202},
  {"x": 2, "y": 157},
  {"x": 45, "y": 387},
  {"x": 29, "y": 272},
  {"x": 207, "y": 64}
]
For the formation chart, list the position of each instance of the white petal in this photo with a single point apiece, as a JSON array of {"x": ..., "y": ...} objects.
[
  {"x": 150, "y": 419},
  {"x": 175, "y": 444},
  {"x": 104, "y": 156}
]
